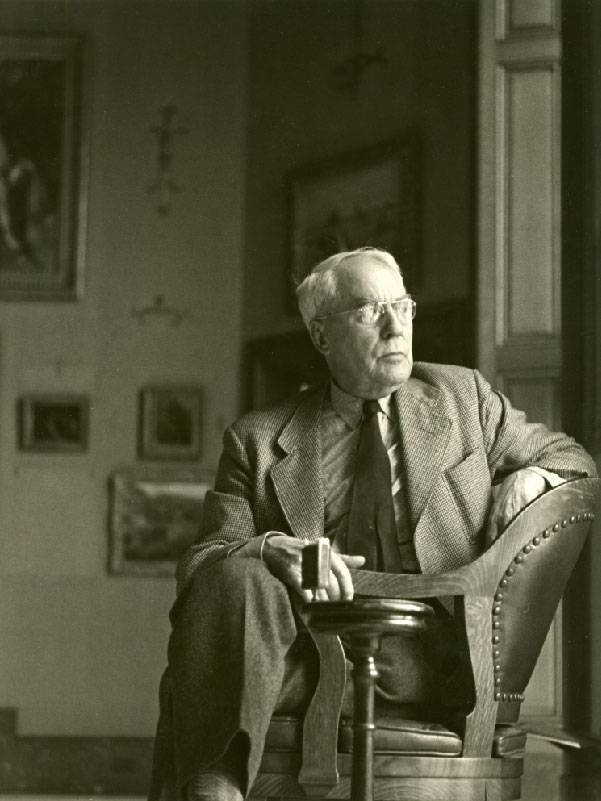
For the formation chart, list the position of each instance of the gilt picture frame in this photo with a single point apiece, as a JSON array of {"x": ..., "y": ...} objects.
[
  {"x": 170, "y": 422},
  {"x": 43, "y": 175},
  {"x": 154, "y": 516},
  {"x": 369, "y": 197},
  {"x": 53, "y": 423}
]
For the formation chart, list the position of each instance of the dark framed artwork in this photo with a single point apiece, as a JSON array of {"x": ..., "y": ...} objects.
[
  {"x": 277, "y": 366},
  {"x": 53, "y": 423},
  {"x": 369, "y": 197},
  {"x": 170, "y": 422},
  {"x": 42, "y": 176},
  {"x": 445, "y": 332},
  {"x": 155, "y": 512}
]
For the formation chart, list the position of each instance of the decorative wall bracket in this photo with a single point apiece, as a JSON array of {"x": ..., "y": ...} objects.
[
  {"x": 159, "y": 309},
  {"x": 349, "y": 73}
]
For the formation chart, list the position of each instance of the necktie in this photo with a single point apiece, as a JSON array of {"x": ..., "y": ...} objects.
[{"x": 372, "y": 527}]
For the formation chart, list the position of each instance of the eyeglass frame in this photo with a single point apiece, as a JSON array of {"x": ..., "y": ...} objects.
[{"x": 380, "y": 303}]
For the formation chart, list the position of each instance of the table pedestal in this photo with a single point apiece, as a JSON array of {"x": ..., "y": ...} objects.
[{"x": 365, "y": 621}]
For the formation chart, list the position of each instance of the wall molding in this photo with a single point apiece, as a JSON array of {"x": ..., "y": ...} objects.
[{"x": 72, "y": 765}]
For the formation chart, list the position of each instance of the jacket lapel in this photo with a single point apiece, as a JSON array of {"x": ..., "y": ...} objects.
[
  {"x": 297, "y": 478},
  {"x": 425, "y": 429}
]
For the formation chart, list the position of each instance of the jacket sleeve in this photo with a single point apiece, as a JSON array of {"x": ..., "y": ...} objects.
[
  {"x": 227, "y": 519},
  {"x": 513, "y": 443}
]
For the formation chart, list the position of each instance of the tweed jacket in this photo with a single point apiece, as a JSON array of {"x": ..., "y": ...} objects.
[{"x": 458, "y": 437}]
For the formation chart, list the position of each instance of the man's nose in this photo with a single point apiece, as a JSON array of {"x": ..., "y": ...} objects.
[{"x": 394, "y": 322}]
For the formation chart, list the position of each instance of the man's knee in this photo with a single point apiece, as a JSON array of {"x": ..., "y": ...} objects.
[
  {"x": 231, "y": 587},
  {"x": 237, "y": 576}
]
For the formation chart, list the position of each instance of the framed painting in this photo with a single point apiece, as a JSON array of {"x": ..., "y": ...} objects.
[
  {"x": 53, "y": 423},
  {"x": 170, "y": 422},
  {"x": 369, "y": 197},
  {"x": 42, "y": 159},
  {"x": 277, "y": 366},
  {"x": 154, "y": 517}
]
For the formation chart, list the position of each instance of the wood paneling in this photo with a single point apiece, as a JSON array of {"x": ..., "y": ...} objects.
[
  {"x": 82, "y": 766},
  {"x": 537, "y": 395},
  {"x": 519, "y": 17},
  {"x": 519, "y": 218},
  {"x": 542, "y": 693},
  {"x": 531, "y": 297},
  {"x": 527, "y": 201},
  {"x": 529, "y": 13}
]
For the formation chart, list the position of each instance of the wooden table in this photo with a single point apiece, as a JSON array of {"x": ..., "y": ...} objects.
[{"x": 365, "y": 621}]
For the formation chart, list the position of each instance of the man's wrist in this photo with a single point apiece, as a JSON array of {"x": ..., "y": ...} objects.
[
  {"x": 266, "y": 536},
  {"x": 254, "y": 547}
]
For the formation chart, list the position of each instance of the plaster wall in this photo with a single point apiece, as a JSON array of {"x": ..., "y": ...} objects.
[
  {"x": 298, "y": 115},
  {"x": 82, "y": 651}
]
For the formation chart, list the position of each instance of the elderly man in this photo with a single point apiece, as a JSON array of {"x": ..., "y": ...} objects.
[{"x": 395, "y": 462}]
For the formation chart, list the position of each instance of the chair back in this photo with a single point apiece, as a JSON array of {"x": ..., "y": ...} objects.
[{"x": 532, "y": 585}]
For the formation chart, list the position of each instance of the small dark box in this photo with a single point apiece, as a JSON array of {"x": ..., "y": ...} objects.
[{"x": 316, "y": 564}]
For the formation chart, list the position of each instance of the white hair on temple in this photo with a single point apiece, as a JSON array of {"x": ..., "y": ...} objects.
[{"x": 320, "y": 287}]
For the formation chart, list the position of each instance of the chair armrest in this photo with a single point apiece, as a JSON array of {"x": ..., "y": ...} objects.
[
  {"x": 408, "y": 585},
  {"x": 475, "y": 585},
  {"x": 555, "y": 508}
]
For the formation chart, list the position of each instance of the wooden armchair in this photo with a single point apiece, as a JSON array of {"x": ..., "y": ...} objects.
[{"x": 505, "y": 601}]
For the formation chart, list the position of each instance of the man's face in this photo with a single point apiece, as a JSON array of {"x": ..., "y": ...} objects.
[{"x": 368, "y": 361}]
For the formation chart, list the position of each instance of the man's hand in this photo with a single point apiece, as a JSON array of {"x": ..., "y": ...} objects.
[
  {"x": 511, "y": 497},
  {"x": 283, "y": 556}
]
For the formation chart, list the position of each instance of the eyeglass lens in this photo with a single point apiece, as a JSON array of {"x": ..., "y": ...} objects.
[{"x": 374, "y": 312}]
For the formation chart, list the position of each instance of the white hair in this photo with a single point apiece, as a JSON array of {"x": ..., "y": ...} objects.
[{"x": 320, "y": 288}]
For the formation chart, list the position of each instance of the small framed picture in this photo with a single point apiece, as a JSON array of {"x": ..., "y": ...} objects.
[
  {"x": 155, "y": 512},
  {"x": 53, "y": 423},
  {"x": 170, "y": 422}
]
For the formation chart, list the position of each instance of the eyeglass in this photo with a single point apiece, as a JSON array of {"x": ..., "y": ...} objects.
[{"x": 373, "y": 311}]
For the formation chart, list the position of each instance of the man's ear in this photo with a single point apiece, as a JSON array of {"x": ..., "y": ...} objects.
[{"x": 318, "y": 336}]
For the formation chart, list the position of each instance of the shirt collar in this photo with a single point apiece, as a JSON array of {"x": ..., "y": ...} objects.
[{"x": 350, "y": 408}]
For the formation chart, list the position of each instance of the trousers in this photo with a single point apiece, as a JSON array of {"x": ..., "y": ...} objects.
[{"x": 239, "y": 653}]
